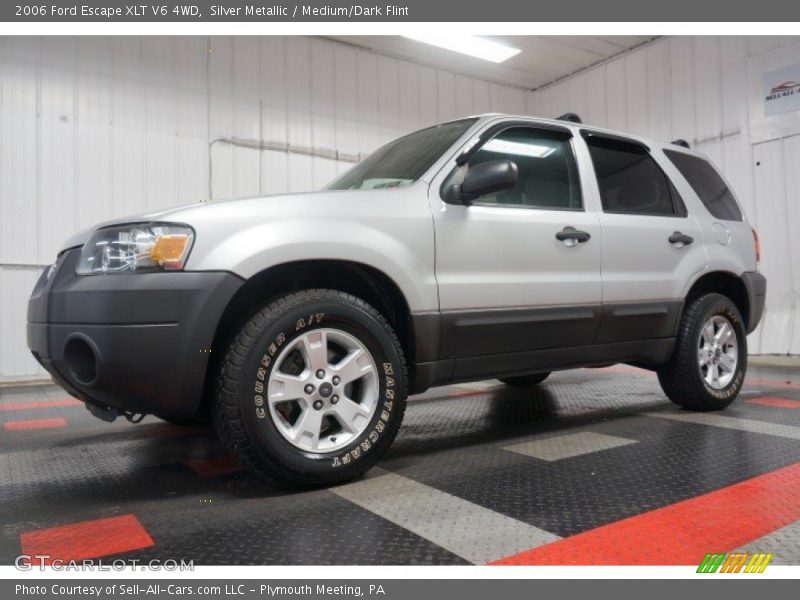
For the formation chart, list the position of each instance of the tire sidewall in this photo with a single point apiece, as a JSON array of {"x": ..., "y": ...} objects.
[
  {"x": 267, "y": 441},
  {"x": 721, "y": 306}
]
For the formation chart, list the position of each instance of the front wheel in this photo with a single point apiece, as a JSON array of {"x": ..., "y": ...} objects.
[
  {"x": 707, "y": 368},
  {"x": 312, "y": 390}
]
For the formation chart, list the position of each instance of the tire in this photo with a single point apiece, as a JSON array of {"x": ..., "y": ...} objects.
[
  {"x": 269, "y": 432},
  {"x": 525, "y": 380},
  {"x": 684, "y": 378}
]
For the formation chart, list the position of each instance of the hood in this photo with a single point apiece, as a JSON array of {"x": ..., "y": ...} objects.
[{"x": 207, "y": 214}]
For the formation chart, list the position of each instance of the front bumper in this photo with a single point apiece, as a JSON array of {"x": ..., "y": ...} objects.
[
  {"x": 137, "y": 343},
  {"x": 756, "y": 285}
]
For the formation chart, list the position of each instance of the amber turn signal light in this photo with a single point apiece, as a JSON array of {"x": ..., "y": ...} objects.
[{"x": 169, "y": 250}]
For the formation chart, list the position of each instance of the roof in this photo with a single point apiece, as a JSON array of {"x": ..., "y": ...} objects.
[{"x": 649, "y": 142}]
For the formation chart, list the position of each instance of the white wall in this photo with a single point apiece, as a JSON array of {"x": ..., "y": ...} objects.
[
  {"x": 696, "y": 88},
  {"x": 93, "y": 127}
]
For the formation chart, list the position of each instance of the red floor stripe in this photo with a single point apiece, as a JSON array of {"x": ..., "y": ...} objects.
[
  {"x": 773, "y": 383},
  {"x": 34, "y": 424},
  {"x": 39, "y": 404},
  {"x": 779, "y": 402},
  {"x": 682, "y": 533},
  {"x": 214, "y": 466},
  {"x": 87, "y": 539}
]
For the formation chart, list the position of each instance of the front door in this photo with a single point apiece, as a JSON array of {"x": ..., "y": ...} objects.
[{"x": 519, "y": 270}]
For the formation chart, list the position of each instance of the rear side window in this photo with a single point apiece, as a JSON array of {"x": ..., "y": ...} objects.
[
  {"x": 630, "y": 181},
  {"x": 707, "y": 184}
]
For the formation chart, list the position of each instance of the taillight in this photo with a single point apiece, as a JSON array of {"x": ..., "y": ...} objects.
[{"x": 757, "y": 247}]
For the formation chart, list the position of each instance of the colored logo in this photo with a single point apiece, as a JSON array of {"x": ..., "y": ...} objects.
[
  {"x": 784, "y": 87},
  {"x": 737, "y": 562}
]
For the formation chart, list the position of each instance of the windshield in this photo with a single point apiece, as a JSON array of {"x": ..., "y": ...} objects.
[{"x": 399, "y": 163}]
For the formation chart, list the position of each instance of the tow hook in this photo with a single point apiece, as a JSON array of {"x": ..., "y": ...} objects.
[{"x": 134, "y": 417}]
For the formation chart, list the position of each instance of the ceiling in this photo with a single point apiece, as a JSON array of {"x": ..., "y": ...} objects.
[{"x": 544, "y": 58}]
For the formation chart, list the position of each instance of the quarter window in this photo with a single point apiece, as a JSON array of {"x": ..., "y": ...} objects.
[
  {"x": 548, "y": 175},
  {"x": 707, "y": 184},
  {"x": 630, "y": 181}
]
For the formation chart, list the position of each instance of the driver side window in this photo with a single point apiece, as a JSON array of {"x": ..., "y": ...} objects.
[{"x": 548, "y": 175}]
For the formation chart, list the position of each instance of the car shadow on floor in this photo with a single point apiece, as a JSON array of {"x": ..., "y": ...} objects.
[
  {"x": 153, "y": 462},
  {"x": 503, "y": 414}
]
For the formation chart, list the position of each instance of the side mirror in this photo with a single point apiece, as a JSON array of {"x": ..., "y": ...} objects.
[{"x": 487, "y": 178}]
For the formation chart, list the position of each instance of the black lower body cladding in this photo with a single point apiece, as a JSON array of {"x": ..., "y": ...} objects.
[
  {"x": 137, "y": 342},
  {"x": 756, "y": 285},
  {"x": 469, "y": 345}
]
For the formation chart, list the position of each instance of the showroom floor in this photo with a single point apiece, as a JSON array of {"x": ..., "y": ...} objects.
[{"x": 595, "y": 467}]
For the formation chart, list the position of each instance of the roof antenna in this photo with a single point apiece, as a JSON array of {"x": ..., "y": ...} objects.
[
  {"x": 681, "y": 142},
  {"x": 570, "y": 116}
]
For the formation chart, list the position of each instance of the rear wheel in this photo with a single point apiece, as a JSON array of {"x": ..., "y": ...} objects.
[
  {"x": 707, "y": 368},
  {"x": 312, "y": 390},
  {"x": 525, "y": 380}
]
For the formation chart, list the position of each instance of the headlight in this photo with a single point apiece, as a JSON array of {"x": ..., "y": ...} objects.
[{"x": 136, "y": 247}]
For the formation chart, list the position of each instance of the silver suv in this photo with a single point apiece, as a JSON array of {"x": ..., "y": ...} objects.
[{"x": 488, "y": 247}]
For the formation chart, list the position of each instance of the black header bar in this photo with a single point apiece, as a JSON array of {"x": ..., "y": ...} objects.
[{"x": 401, "y": 11}]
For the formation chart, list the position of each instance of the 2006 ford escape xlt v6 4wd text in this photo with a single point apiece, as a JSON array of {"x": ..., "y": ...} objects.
[{"x": 488, "y": 247}]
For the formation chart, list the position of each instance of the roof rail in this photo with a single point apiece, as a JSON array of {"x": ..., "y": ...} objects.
[
  {"x": 681, "y": 142},
  {"x": 569, "y": 116}
]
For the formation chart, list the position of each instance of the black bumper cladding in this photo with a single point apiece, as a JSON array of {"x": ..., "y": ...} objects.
[
  {"x": 137, "y": 343},
  {"x": 756, "y": 285}
]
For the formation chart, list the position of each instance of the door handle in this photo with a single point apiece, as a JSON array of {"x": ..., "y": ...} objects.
[
  {"x": 680, "y": 240},
  {"x": 571, "y": 236}
]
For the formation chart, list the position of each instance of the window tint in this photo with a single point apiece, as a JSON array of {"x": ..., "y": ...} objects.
[
  {"x": 707, "y": 184},
  {"x": 403, "y": 161},
  {"x": 548, "y": 175},
  {"x": 630, "y": 180}
]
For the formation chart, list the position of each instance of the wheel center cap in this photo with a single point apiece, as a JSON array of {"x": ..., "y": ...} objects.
[{"x": 325, "y": 389}]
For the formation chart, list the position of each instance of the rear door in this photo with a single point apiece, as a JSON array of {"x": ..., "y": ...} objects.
[
  {"x": 507, "y": 283},
  {"x": 651, "y": 247}
]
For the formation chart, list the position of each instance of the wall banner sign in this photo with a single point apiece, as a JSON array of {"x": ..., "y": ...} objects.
[{"x": 782, "y": 90}]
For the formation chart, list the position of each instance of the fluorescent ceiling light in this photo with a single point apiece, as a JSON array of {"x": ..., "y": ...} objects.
[
  {"x": 518, "y": 148},
  {"x": 471, "y": 45}
]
